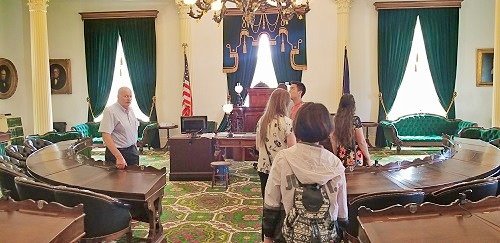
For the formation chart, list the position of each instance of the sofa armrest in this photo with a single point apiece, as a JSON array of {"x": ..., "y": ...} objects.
[
  {"x": 390, "y": 132},
  {"x": 462, "y": 125},
  {"x": 83, "y": 129}
]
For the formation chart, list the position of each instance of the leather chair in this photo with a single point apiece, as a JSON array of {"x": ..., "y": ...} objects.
[
  {"x": 30, "y": 189},
  {"x": 36, "y": 143},
  {"x": 148, "y": 133},
  {"x": 471, "y": 190},
  {"x": 7, "y": 185},
  {"x": 19, "y": 152},
  {"x": 378, "y": 201},
  {"x": 106, "y": 218},
  {"x": 13, "y": 161}
]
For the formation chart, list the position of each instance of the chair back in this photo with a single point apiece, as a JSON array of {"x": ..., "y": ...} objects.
[
  {"x": 36, "y": 143},
  {"x": 30, "y": 189},
  {"x": 19, "y": 152},
  {"x": 471, "y": 190},
  {"x": 377, "y": 201},
  {"x": 13, "y": 161},
  {"x": 7, "y": 174},
  {"x": 106, "y": 218}
]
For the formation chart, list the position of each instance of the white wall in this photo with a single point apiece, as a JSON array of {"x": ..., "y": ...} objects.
[
  {"x": 66, "y": 40},
  {"x": 15, "y": 46},
  {"x": 476, "y": 30}
]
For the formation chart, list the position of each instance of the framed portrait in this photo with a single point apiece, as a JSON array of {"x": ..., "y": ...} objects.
[
  {"x": 484, "y": 67},
  {"x": 60, "y": 76},
  {"x": 8, "y": 78}
]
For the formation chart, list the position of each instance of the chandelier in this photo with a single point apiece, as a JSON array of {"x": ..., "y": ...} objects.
[{"x": 286, "y": 8}]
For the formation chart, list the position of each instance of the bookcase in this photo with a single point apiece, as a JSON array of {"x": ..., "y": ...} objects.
[{"x": 14, "y": 126}]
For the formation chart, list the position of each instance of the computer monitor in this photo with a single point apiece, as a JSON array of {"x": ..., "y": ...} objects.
[{"x": 193, "y": 124}]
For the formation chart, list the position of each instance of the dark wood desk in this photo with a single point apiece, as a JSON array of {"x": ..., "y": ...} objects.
[
  {"x": 29, "y": 221},
  {"x": 141, "y": 187},
  {"x": 190, "y": 158},
  {"x": 239, "y": 142},
  {"x": 469, "y": 222}
]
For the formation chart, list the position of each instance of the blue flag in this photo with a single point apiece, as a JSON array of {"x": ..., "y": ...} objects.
[{"x": 345, "y": 81}]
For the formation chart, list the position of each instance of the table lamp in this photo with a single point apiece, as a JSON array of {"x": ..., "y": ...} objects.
[
  {"x": 238, "y": 88},
  {"x": 228, "y": 108}
]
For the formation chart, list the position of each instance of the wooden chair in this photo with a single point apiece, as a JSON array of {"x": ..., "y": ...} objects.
[
  {"x": 378, "y": 201},
  {"x": 7, "y": 185},
  {"x": 471, "y": 190},
  {"x": 106, "y": 218},
  {"x": 19, "y": 152},
  {"x": 36, "y": 143}
]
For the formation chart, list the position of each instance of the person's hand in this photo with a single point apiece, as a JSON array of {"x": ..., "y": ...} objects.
[
  {"x": 121, "y": 163},
  {"x": 268, "y": 240}
]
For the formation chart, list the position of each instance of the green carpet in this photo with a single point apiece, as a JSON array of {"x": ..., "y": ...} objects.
[{"x": 196, "y": 212}]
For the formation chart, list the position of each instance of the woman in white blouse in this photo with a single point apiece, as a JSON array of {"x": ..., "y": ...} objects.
[{"x": 274, "y": 132}]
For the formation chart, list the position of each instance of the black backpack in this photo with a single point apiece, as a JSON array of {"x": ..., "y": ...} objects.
[{"x": 309, "y": 219}]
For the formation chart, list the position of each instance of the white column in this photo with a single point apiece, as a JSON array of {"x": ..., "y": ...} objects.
[
  {"x": 42, "y": 100},
  {"x": 495, "y": 121},
  {"x": 343, "y": 7},
  {"x": 185, "y": 27}
]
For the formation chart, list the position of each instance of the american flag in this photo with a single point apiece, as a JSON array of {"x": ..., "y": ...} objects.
[{"x": 187, "y": 100}]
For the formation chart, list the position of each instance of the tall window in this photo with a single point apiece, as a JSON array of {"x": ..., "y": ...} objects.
[
  {"x": 121, "y": 78},
  {"x": 417, "y": 93},
  {"x": 264, "y": 69}
]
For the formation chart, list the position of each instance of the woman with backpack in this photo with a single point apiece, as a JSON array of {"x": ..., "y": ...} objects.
[
  {"x": 348, "y": 141},
  {"x": 274, "y": 133},
  {"x": 309, "y": 182}
]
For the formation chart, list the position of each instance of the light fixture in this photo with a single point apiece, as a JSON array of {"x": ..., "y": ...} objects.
[
  {"x": 228, "y": 108},
  {"x": 286, "y": 8},
  {"x": 238, "y": 88}
]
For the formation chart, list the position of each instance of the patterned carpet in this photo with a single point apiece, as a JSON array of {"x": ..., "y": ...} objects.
[{"x": 195, "y": 212}]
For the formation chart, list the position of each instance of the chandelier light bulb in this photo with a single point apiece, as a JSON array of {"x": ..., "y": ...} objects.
[
  {"x": 216, "y": 5},
  {"x": 189, "y": 2}
]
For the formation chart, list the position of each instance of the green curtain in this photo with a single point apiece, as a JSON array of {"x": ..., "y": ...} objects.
[
  {"x": 139, "y": 47},
  {"x": 101, "y": 38},
  {"x": 440, "y": 31},
  {"x": 395, "y": 35}
]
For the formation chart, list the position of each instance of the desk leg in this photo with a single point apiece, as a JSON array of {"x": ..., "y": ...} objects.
[{"x": 154, "y": 213}]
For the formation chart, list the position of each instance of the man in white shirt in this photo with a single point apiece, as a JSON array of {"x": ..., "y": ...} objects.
[{"x": 119, "y": 131}]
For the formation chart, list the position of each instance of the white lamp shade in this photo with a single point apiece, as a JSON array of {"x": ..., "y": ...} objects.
[
  {"x": 238, "y": 88},
  {"x": 189, "y": 2},
  {"x": 227, "y": 108}
]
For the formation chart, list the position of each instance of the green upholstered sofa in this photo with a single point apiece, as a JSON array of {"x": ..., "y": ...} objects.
[
  {"x": 421, "y": 129},
  {"x": 490, "y": 135},
  {"x": 146, "y": 132}
]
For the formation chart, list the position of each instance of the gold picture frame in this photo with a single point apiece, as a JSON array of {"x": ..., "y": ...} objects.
[
  {"x": 8, "y": 78},
  {"x": 60, "y": 76},
  {"x": 484, "y": 67}
]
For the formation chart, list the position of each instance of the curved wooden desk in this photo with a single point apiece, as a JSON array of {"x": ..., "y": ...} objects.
[
  {"x": 141, "y": 187},
  {"x": 473, "y": 159}
]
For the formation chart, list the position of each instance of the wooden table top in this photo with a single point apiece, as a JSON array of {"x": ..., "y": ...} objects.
[
  {"x": 470, "y": 222},
  {"x": 25, "y": 221},
  {"x": 53, "y": 165}
]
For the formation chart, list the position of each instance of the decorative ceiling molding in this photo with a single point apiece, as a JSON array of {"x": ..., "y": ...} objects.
[
  {"x": 120, "y": 14},
  {"x": 419, "y": 4}
]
